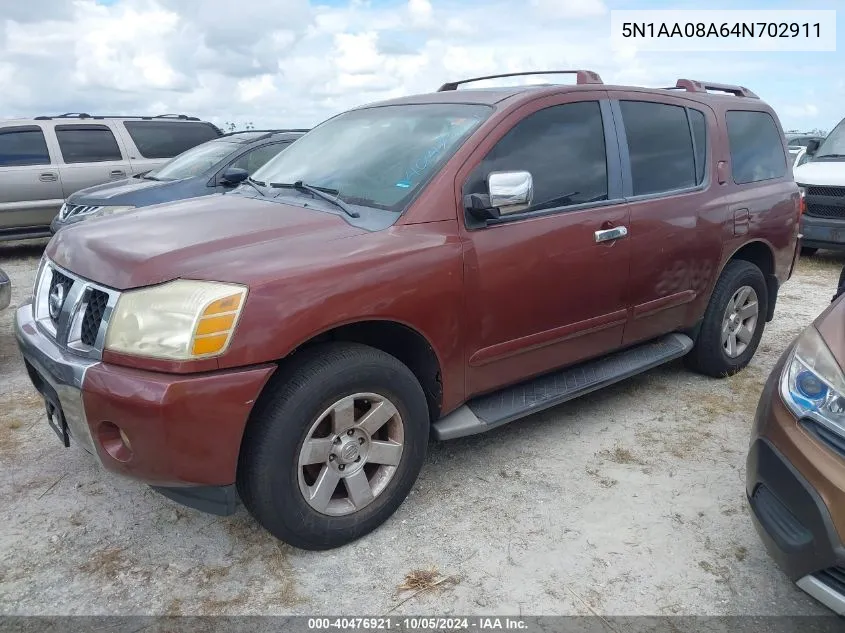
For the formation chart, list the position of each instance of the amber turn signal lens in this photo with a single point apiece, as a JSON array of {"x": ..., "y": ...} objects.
[
  {"x": 226, "y": 304},
  {"x": 215, "y": 325},
  {"x": 209, "y": 344}
]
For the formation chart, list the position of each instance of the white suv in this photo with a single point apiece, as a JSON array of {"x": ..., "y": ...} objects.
[{"x": 46, "y": 159}]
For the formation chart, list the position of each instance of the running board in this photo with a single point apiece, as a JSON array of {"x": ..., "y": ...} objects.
[{"x": 511, "y": 403}]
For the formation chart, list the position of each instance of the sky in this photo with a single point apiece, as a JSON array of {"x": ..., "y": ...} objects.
[{"x": 294, "y": 63}]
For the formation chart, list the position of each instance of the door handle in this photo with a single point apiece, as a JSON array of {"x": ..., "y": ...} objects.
[
  {"x": 608, "y": 235},
  {"x": 117, "y": 173},
  {"x": 48, "y": 177}
]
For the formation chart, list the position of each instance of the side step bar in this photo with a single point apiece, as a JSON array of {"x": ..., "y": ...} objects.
[{"x": 511, "y": 403}]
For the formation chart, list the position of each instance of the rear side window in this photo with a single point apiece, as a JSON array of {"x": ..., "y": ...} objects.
[
  {"x": 756, "y": 147},
  {"x": 166, "y": 139},
  {"x": 563, "y": 149},
  {"x": 23, "y": 146},
  {"x": 660, "y": 147},
  {"x": 87, "y": 143}
]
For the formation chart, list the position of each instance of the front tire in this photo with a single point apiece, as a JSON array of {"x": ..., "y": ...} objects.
[
  {"x": 733, "y": 322},
  {"x": 334, "y": 445},
  {"x": 808, "y": 251}
]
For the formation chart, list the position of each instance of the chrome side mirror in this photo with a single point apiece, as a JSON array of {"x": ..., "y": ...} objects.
[{"x": 510, "y": 191}]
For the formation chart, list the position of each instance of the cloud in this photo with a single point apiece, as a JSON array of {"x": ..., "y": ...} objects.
[{"x": 292, "y": 63}]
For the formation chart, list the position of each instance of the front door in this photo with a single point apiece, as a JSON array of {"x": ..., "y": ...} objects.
[
  {"x": 546, "y": 287},
  {"x": 30, "y": 187}
]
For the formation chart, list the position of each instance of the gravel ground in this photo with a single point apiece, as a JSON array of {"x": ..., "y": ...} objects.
[{"x": 629, "y": 501}]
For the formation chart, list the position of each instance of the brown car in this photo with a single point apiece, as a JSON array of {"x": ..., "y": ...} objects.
[
  {"x": 438, "y": 264},
  {"x": 796, "y": 464}
]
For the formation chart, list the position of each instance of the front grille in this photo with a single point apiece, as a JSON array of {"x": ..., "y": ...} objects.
[
  {"x": 83, "y": 315},
  {"x": 59, "y": 279},
  {"x": 833, "y": 192},
  {"x": 833, "y": 577},
  {"x": 69, "y": 210},
  {"x": 831, "y": 439},
  {"x": 825, "y": 210},
  {"x": 93, "y": 316}
]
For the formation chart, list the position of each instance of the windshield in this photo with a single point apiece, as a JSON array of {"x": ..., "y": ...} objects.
[
  {"x": 834, "y": 144},
  {"x": 377, "y": 157},
  {"x": 194, "y": 161}
]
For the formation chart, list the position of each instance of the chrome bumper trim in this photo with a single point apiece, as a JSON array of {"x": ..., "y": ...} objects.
[{"x": 64, "y": 372}]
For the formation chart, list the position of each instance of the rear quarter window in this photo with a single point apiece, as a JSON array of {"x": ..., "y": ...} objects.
[
  {"x": 23, "y": 145},
  {"x": 166, "y": 139},
  {"x": 756, "y": 147}
]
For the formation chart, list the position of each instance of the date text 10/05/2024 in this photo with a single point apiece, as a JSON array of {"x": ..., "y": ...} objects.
[{"x": 416, "y": 624}]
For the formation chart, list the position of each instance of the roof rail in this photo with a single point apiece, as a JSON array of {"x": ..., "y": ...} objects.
[
  {"x": 265, "y": 132},
  {"x": 85, "y": 115},
  {"x": 582, "y": 77},
  {"x": 691, "y": 85}
]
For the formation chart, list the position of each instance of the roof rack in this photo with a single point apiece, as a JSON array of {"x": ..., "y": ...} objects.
[
  {"x": 85, "y": 115},
  {"x": 265, "y": 133},
  {"x": 582, "y": 77},
  {"x": 691, "y": 85}
]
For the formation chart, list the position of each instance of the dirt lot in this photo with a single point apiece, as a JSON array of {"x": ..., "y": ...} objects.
[{"x": 628, "y": 501}]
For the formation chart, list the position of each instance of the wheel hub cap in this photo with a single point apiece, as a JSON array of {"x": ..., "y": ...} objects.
[
  {"x": 350, "y": 454},
  {"x": 740, "y": 321}
]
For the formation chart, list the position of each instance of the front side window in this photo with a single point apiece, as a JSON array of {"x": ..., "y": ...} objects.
[
  {"x": 166, "y": 139},
  {"x": 660, "y": 147},
  {"x": 194, "y": 162},
  {"x": 377, "y": 157},
  {"x": 833, "y": 146},
  {"x": 255, "y": 159},
  {"x": 87, "y": 143},
  {"x": 756, "y": 147},
  {"x": 563, "y": 149},
  {"x": 23, "y": 145}
]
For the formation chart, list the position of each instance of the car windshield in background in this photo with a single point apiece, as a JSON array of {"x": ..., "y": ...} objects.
[
  {"x": 834, "y": 145},
  {"x": 193, "y": 162},
  {"x": 377, "y": 157}
]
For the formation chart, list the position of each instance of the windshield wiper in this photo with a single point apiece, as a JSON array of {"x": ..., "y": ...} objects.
[
  {"x": 323, "y": 193},
  {"x": 148, "y": 177},
  {"x": 254, "y": 184}
]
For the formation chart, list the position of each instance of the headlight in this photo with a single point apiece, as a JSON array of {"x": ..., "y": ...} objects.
[
  {"x": 103, "y": 211},
  {"x": 179, "y": 320},
  {"x": 812, "y": 383}
]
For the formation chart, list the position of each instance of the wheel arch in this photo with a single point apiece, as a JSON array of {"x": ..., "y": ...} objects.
[
  {"x": 398, "y": 339},
  {"x": 761, "y": 254}
]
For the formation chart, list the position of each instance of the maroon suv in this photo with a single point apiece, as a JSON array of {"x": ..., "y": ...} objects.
[{"x": 443, "y": 263}]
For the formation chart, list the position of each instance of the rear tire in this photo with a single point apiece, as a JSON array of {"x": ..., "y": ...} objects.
[
  {"x": 321, "y": 402},
  {"x": 808, "y": 251},
  {"x": 728, "y": 339}
]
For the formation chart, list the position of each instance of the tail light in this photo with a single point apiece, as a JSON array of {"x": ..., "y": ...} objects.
[{"x": 802, "y": 205}]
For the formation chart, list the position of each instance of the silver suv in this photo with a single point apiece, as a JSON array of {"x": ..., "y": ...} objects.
[{"x": 46, "y": 159}]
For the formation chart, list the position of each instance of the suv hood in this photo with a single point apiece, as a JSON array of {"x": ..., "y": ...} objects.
[
  {"x": 823, "y": 172},
  {"x": 136, "y": 192},
  {"x": 219, "y": 237}
]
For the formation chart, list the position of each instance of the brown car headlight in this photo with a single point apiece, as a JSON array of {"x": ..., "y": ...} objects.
[{"x": 813, "y": 384}]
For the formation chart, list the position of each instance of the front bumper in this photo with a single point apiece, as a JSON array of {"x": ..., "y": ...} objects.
[
  {"x": 825, "y": 233},
  {"x": 5, "y": 291},
  {"x": 788, "y": 512},
  {"x": 183, "y": 430}
]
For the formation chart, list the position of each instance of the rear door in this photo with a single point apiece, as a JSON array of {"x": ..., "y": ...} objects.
[
  {"x": 89, "y": 155},
  {"x": 30, "y": 184},
  {"x": 153, "y": 142},
  {"x": 674, "y": 243}
]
